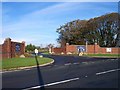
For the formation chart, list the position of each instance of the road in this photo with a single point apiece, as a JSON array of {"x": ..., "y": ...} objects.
[{"x": 67, "y": 72}]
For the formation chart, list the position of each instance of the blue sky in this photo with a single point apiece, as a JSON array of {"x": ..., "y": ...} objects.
[{"x": 37, "y": 22}]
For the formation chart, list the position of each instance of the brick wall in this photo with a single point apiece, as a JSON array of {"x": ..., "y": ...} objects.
[
  {"x": 113, "y": 50},
  {"x": 14, "y": 52},
  {"x": 8, "y": 49},
  {"x": 90, "y": 49},
  {"x": 58, "y": 50},
  {"x": 71, "y": 49},
  {"x": 93, "y": 49}
]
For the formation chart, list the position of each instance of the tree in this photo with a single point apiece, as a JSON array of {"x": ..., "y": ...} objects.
[
  {"x": 72, "y": 32},
  {"x": 104, "y": 30},
  {"x": 30, "y": 48},
  {"x": 108, "y": 29}
]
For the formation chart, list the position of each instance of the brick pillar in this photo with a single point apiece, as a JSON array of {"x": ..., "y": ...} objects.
[
  {"x": 23, "y": 43},
  {"x": 52, "y": 50},
  {"x": 96, "y": 49},
  {"x": 66, "y": 50},
  {"x": 7, "y": 44}
]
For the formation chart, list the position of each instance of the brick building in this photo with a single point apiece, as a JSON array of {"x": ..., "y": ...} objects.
[
  {"x": 88, "y": 49},
  {"x": 10, "y": 49}
]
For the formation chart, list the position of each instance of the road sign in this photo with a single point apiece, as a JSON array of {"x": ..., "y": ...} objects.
[
  {"x": 108, "y": 50},
  {"x": 36, "y": 51},
  {"x": 81, "y": 48},
  {"x": 17, "y": 47}
]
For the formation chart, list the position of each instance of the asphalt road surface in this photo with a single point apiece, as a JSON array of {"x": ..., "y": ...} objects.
[{"x": 66, "y": 72}]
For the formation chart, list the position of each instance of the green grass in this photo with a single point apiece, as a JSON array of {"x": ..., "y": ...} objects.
[
  {"x": 46, "y": 52},
  {"x": 103, "y": 55},
  {"x": 23, "y": 62}
]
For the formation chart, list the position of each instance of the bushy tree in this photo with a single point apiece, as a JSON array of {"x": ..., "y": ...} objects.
[
  {"x": 30, "y": 48},
  {"x": 104, "y": 30}
]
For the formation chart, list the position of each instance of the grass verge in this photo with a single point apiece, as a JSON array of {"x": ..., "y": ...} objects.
[
  {"x": 103, "y": 55},
  {"x": 23, "y": 62},
  {"x": 45, "y": 52}
]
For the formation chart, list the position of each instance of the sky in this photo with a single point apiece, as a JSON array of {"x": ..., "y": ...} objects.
[{"x": 37, "y": 22}]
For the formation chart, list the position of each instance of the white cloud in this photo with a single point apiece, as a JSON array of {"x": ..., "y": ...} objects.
[{"x": 38, "y": 17}]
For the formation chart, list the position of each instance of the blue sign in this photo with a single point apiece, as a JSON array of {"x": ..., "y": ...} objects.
[
  {"x": 81, "y": 48},
  {"x": 17, "y": 47}
]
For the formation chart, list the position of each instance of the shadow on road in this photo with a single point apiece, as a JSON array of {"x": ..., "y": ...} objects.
[{"x": 41, "y": 82}]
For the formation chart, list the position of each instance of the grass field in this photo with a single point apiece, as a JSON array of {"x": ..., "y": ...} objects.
[
  {"x": 23, "y": 62},
  {"x": 103, "y": 55}
]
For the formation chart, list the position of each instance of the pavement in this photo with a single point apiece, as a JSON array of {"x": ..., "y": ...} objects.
[{"x": 67, "y": 72}]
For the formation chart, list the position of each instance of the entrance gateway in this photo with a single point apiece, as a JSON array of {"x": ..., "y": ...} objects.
[
  {"x": 81, "y": 49},
  {"x": 11, "y": 49}
]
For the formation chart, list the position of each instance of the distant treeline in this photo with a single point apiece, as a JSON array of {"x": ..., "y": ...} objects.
[{"x": 103, "y": 30}]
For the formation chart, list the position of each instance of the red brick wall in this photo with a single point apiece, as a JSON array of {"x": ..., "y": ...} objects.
[
  {"x": 8, "y": 49},
  {"x": 116, "y": 50},
  {"x": 71, "y": 49},
  {"x": 14, "y": 53},
  {"x": 58, "y": 50},
  {"x": 91, "y": 49},
  {"x": 113, "y": 50}
]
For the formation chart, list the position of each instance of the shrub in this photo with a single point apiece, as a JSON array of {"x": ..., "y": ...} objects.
[{"x": 27, "y": 55}]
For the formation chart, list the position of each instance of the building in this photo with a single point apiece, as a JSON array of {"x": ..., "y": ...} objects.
[{"x": 10, "y": 49}]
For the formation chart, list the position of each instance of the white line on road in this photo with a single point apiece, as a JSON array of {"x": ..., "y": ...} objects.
[
  {"x": 67, "y": 64},
  {"x": 113, "y": 59},
  {"x": 75, "y": 63},
  {"x": 14, "y": 71},
  {"x": 55, "y": 83},
  {"x": 107, "y": 71}
]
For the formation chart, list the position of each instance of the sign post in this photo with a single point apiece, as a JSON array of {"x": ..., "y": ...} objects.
[
  {"x": 36, "y": 52},
  {"x": 39, "y": 73},
  {"x": 81, "y": 50},
  {"x": 108, "y": 50}
]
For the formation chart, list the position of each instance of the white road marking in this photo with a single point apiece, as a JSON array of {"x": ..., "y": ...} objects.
[
  {"x": 10, "y": 71},
  {"x": 15, "y": 71},
  {"x": 75, "y": 63},
  {"x": 67, "y": 64},
  {"x": 55, "y": 83},
  {"x": 1, "y": 72},
  {"x": 85, "y": 62},
  {"x": 113, "y": 59},
  {"x": 107, "y": 71}
]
